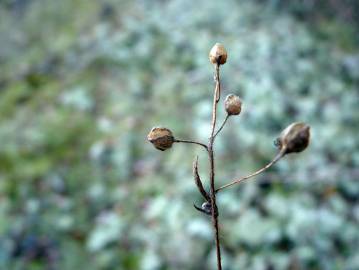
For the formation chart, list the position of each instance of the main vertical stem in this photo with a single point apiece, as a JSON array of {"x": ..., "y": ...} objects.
[{"x": 216, "y": 97}]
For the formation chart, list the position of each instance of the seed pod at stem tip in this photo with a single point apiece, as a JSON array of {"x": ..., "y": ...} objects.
[
  {"x": 218, "y": 54},
  {"x": 161, "y": 138},
  {"x": 233, "y": 104},
  {"x": 295, "y": 138}
]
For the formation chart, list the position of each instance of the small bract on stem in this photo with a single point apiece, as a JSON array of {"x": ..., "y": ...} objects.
[{"x": 293, "y": 139}]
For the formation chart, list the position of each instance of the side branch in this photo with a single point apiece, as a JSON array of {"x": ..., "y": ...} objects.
[
  {"x": 189, "y": 141},
  {"x": 224, "y": 122},
  {"x": 270, "y": 164}
]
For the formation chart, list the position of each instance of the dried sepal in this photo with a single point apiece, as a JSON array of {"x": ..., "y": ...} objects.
[
  {"x": 161, "y": 138},
  {"x": 198, "y": 181},
  {"x": 233, "y": 104},
  {"x": 294, "y": 139},
  {"x": 218, "y": 54}
]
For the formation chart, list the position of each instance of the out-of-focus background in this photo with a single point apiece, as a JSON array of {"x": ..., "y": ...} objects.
[{"x": 82, "y": 83}]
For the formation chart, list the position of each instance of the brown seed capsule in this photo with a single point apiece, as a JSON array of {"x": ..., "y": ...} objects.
[
  {"x": 295, "y": 138},
  {"x": 161, "y": 138},
  {"x": 233, "y": 104},
  {"x": 218, "y": 54}
]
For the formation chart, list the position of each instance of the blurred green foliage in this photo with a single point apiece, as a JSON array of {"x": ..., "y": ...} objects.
[{"x": 81, "y": 84}]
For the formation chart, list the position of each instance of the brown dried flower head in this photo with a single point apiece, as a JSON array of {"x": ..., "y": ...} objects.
[
  {"x": 161, "y": 138},
  {"x": 218, "y": 54},
  {"x": 294, "y": 138},
  {"x": 233, "y": 104}
]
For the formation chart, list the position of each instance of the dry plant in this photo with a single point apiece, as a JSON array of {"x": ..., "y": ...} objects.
[{"x": 293, "y": 139}]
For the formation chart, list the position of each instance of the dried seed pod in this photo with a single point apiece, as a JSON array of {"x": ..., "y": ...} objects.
[
  {"x": 161, "y": 138},
  {"x": 233, "y": 104},
  {"x": 218, "y": 54},
  {"x": 294, "y": 138}
]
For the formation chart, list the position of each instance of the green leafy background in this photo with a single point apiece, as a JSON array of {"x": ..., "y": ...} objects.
[{"x": 82, "y": 83}]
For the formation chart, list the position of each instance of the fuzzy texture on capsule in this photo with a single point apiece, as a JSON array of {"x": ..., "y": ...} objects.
[
  {"x": 233, "y": 104},
  {"x": 161, "y": 138},
  {"x": 295, "y": 138},
  {"x": 218, "y": 54}
]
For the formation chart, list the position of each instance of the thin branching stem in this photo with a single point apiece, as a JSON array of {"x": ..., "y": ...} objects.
[
  {"x": 270, "y": 164},
  {"x": 214, "y": 209},
  {"x": 295, "y": 138},
  {"x": 189, "y": 141},
  {"x": 221, "y": 127}
]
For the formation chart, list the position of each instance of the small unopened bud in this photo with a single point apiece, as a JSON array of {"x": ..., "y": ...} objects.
[
  {"x": 233, "y": 104},
  {"x": 295, "y": 138},
  {"x": 161, "y": 138},
  {"x": 218, "y": 54},
  {"x": 207, "y": 208}
]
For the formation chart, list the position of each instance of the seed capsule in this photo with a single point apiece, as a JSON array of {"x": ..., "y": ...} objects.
[
  {"x": 161, "y": 138},
  {"x": 295, "y": 138},
  {"x": 233, "y": 104},
  {"x": 218, "y": 54}
]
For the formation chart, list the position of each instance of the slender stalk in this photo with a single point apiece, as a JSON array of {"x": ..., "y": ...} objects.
[
  {"x": 189, "y": 141},
  {"x": 270, "y": 164},
  {"x": 224, "y": 122},
  {"x": 214, "y": 208}
]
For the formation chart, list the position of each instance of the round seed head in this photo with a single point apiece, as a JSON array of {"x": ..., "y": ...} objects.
[
  {"x": 161, "y": 138},
  {"x": 294, "y": 138},
  {"x": 233, "y": 104},
  {"x": 218, "y": 54}
]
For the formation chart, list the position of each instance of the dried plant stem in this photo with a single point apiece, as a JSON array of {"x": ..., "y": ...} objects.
[
  {"x": 214, "y": 208},
  {"x": 294, "y": 139},
  {"x": 270, "y": 164},
  {"x": 224, "y": 122},
  {"x": 194, "y": 142}
]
